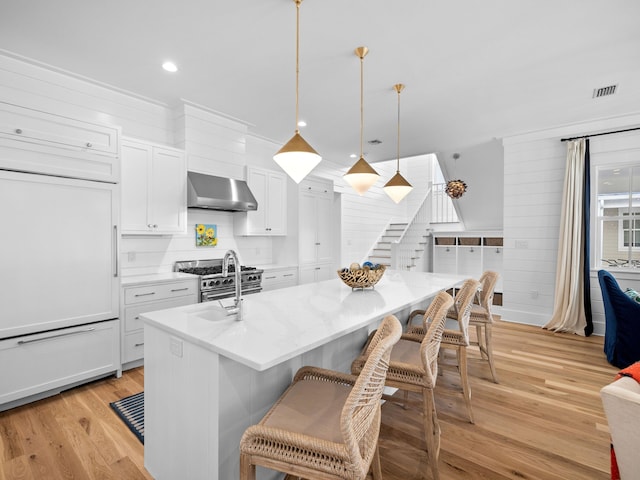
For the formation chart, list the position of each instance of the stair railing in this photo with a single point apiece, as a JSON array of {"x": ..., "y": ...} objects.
[{"x": 405, "y": 252}]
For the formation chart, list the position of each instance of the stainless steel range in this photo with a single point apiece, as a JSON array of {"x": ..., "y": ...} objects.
[{"x": 215, "y": 286}]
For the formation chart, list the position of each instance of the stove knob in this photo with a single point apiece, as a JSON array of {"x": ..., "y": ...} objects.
[
  {"x": 217, "y": 282},
  {"x": 211, "y": 283}
]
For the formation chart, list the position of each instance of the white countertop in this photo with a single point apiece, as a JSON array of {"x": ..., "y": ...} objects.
[
  {"x": 281, "y": 324},
  {"x": 155, "y": 278}
]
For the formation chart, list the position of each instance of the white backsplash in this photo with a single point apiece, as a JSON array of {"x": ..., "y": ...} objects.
[{"x": 147, "y": 254}]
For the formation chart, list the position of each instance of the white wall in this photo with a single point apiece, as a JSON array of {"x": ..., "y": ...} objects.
[
  {"x": 482, "y": 168},
  {"x": 533, "y": 181}
]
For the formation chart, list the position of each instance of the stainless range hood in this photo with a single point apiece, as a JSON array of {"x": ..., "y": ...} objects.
[{"x": 219, "y": 193}]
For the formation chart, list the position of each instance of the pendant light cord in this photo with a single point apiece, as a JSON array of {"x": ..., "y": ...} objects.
[
  {"x": 398, "y": 89},
  {"x": 361, "y": 104},
  {"x": 298, "y": 2}
]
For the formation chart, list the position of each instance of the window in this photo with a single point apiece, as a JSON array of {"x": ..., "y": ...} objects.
[
  {"x": 618, "y": 216},
  {"x": 629, "y": 230}
]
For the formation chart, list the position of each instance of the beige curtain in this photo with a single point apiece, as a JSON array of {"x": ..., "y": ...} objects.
[{"x": 568, "y": 310}]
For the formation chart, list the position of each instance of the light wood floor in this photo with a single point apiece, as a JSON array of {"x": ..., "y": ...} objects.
[{"x": 543, "y": 421}]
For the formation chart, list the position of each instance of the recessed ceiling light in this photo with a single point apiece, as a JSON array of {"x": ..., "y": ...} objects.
[
  {"x": 170, "y": 67},
  {"x": 353, "y": 155},
  {"x": 302, "y": 123}
]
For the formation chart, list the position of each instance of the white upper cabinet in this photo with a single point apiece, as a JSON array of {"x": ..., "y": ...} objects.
[
  {"x": 154, "y": 189},
  {"x": 270, "y": 190},
  {"x": 34, "y": 141}
]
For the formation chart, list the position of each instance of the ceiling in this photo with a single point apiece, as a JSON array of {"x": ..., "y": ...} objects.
[{"x": 473, "y": 71}]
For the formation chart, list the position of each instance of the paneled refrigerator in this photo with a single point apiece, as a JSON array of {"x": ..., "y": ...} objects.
[{"x": 59, "y": 278}]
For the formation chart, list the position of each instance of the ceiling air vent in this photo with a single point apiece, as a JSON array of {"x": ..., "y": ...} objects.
[{"x": 604, "y": 91}]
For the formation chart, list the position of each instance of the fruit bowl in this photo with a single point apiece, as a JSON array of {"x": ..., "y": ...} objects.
[{"x": 361, "y": 277}]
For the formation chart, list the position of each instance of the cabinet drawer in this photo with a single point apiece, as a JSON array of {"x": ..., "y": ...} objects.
[
  {"x": 272, "y": 280},
  {"x": 161, "y": 291},
  {"x": 48, "y": 361},
  {"x": 133, "y": 348},
  {"x": 132, "y": 320}
]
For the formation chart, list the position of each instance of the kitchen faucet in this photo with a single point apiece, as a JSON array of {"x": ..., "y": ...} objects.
[{"x": 237, "y": 308}]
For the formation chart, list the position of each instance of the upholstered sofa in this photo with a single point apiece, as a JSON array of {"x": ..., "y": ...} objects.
[
  {"x": 621, "y": 401},
  {"x": 622, "y": 323}
]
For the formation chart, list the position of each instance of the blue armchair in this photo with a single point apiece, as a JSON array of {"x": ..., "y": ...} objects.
[{"x": 622, "y": 323}]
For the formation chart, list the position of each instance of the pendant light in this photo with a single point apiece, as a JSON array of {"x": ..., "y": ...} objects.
[
  {"x": 397, "y": 188},
  {"x": 361, "y": 176},
  {"x": 297, "y": 158},
  {"x": 455, "y": 188}
]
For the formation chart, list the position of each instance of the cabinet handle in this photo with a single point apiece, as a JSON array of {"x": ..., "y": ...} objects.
[
  {"x": 288, "y": 275},
  {"x": 270, "y": 278},
  {"x": 19, "y": 131},
  {"x": 317, "y": 268},
  {"x": 144, "y": 294},
  {"x": 139, "y": 344},
  {"x": 24, "y": 342},
  {"x": 497, "y": 250},
  {"x": 137, "y": 317},
  {"x": 89, "y": 145},
  {"x": 155, "y": 225},
  {"x": 116, "y": 251},
  {"x": 317, "y": 243},
  {"x": 179, "y": 289},
  {"x": 471, "y": 250}
]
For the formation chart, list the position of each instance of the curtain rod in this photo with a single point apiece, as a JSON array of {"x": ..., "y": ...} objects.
[{"x": 598, "y": 134}]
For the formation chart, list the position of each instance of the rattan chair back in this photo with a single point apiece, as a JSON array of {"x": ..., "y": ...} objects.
[
  {"x": 433, "y": 321},
  {"x": 462, "y": 307},
  {"x": 360, "y": 420},
  {"x": 488, "y": 281}
]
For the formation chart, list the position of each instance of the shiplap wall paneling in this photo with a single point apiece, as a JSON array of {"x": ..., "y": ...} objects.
[
  {"x": 40, "y": 88},
  {"x": 533, "y": 182},
  {"x": 534, "y": 178}
]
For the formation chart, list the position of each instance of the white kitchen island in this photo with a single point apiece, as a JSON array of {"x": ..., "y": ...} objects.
[{"x": 208, "y": 377}]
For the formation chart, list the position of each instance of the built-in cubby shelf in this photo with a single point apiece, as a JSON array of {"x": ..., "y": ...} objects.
[{"x": 469, "y": 253}]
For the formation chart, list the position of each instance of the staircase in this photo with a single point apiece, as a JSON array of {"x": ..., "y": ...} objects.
[
  {"x": 403, "y": 246},
  {"x": 381, "y": 252}
]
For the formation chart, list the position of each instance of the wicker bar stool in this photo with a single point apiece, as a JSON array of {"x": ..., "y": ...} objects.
[
  {"x": 325, "y": 425},
  {"x": 414, "y": 367},
  {"x": 482, "y": 319},
  {"x": 455, "y": 338}
]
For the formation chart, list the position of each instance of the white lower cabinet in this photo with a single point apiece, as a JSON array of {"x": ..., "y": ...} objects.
[
  {"x": 280, "y": 277},
  {"x": 317, "y": 273},
  {"x": 35, "y": 366},
  {"x": 147, "y": 297}
]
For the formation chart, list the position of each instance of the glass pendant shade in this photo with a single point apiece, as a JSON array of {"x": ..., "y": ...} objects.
[
  {"x": 397, "y": 188},
  {"x": 361, "y": 176},
  {"x": 297, "y": 158}
]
